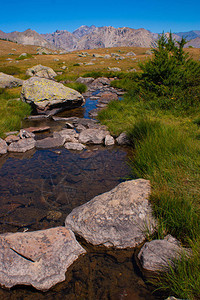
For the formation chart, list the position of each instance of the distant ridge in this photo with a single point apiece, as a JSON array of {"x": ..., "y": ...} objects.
[{"x": 90, "y": 37}]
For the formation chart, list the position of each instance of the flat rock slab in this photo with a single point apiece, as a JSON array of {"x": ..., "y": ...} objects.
[
  {"x": 38, "y": 258},
  {"x": 37, "y": 129},
  {"x": 158, "y": 254},
  {"x": 50, "y": 142},
  {"x": 8, "y": 81},
  {"x": 117, "y": 218},
  {"x": 22, "y": 145},
  {"x": 45, "y": 95}
]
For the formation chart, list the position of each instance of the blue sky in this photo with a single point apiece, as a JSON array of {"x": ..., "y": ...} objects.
[{"x": 48, "y": 15}]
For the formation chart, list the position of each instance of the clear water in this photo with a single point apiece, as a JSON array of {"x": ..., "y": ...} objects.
[{"x": 40, "y": 188}]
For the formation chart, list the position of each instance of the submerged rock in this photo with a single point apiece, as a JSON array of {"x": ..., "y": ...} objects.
[
  {"x": 38, "y": 258},
  {"x": 118, "y": 218},
  {"x": 8, "y": 81},
  {"x": 45, "y": 95}
]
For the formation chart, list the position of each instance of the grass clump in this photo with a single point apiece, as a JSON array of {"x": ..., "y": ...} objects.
[
  {"x": 12, "y": 111},
  {"x": 10, "y": 70},
  {"x": 80, "y": 87}
]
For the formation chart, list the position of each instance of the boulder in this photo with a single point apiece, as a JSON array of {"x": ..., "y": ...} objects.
[
  {"x": 45, "y": 94},
  {"x": 74, "y": 146},
  {"x": 37, "y": 258},
  {"x": 8, "y": 81},
  {"x": 3, "y": 147},
  {"x": 118, "y": 218},
  {"x": 158, "y": 254},
  {"x": 50, "y": 142},
  {"x": 41, "y": 71},
  {"x": 22, "y": 145},
  {"x": 122, "y": 139},
  {"x": 92, "y": 136}
]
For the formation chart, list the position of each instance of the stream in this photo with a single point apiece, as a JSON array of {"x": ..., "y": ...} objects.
[{"x": 39, "y": 188}]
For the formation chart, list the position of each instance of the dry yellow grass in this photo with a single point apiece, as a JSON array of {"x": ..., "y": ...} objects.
[{"x": 70, "y": 59}]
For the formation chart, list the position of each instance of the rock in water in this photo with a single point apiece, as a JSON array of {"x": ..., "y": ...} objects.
[
  {"x": 22, "y": 145},
  {"x": 92, "y": 136},
  {"x": 38, "y": 258},
  {"x": 3, "y": 147},
  {"x": 8, "y": 81},
  {"x": 118, "y": 218},
  {"x": 44, "y": 95},
  {"x": 41, "y": 71}
]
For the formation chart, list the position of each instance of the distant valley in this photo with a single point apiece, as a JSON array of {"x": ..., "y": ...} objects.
[{"x": 91, "y": 37}]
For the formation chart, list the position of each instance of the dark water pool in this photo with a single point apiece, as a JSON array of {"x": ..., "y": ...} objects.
[{"x": 40, "y": 188}]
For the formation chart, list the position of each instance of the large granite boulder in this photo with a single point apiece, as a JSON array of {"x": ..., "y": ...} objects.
[
  {"x": 41, "y": 71},
  {"x": 3, "y": 147},
  {"x": 92, "y": 136},
  {"x": 8, "y": 81},
  {"x": 38, "y": 258},
  {"x": 118, "y": 218},
  {"x": 158, "y": 254},
  {"x": 22, "y": 145},
  {"x": 45, "y": 95}
]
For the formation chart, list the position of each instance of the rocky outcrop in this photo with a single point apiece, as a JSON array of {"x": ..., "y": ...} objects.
[
  {"x": 41, "y": 71},
  {"x": 159, "y": 254},
  {"x": 38, "y": 258},
  {"x": 45, "y": 95},
  {"x": 118, "y": 218},
  {"x": 8, "y": 81}
]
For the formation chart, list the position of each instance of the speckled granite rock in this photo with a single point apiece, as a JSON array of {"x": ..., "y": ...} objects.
[
  {"x": 8, "y": 81},
  {"x": 117, "y": 218},
  {"x": 38, "y": 258}
]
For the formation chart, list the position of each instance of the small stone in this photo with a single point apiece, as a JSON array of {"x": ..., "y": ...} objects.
[
  {"x": 123, "y": 139},
  {"x": 109, "y": 140},
  {"x": 74, "y": 146},
  {"x": 3, "y": 147},
  {"x": 12, "y": 138}
]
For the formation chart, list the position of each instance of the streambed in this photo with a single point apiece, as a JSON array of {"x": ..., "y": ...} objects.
[{"x": 40, "y": 188}]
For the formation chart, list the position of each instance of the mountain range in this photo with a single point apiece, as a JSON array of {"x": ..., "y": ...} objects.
[{"x": 90, "y": 37}]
